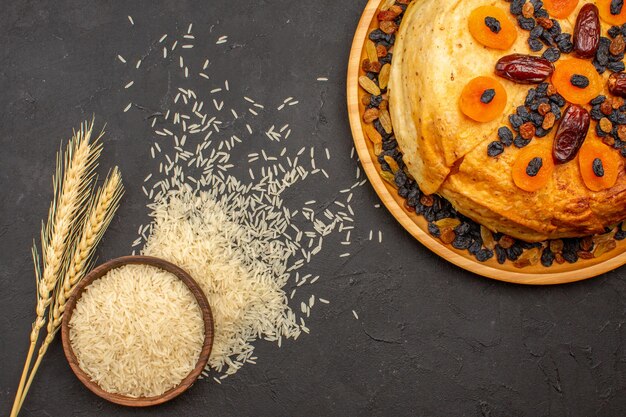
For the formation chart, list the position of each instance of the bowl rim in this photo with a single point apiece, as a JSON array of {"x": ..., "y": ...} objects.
[
  {"x": 583, "y": 269},
  {"x": 198, "y": 294}
]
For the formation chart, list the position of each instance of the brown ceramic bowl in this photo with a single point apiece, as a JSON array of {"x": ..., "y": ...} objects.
[{"x": 204, "y": 353}]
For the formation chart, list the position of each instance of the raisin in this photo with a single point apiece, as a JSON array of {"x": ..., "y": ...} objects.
[
  {"x": 487, "y": 96},
  {"x": 495, "y": 148},
  {"x": 516, "y": 121},
  {"x": 547, "y": 257},
  {"x": 475, "y": 247},
  {"x": 618, "y": 45},
  {"x": 551, "y": 54},
  {"x": 544, "y": 108},
  {"x": 616, "y": 6},
  {"x": 605, "y": 125},
  {"x": 522, "y": 112},
  {"x": 545, "y": 22},
  {"x": 534, "y": 166},
  {"x": 462, "y": 242},
  {"x": 536, "y": 119},
  {"x": 520, "y": 142},
  {"x": 434, "y": 230},
  {"x": 517, "y": 6},
  {"x": 527, "y": 130},
  {"x": 558, "y": 99},
  {"x": 598, "y": 168},
  {"x": 616, "y": 66},
  {"x": 493, "y": 24},
  {"x": 484, "y": 255},
  {"x": 505, "y": 135},
  {"x": 526, "y": 23},
  {"x": 530, "y": 97},
  {"x": 548, "y": 121},
  {"x": 614, "y": 31},
  {"x": 536, "y": 32},
  {"x": 535, "y": 44},
  {"x": 500, "y": 254},
  {"x": 598, "y": 100},
  {"x": 579, "y": 81}
]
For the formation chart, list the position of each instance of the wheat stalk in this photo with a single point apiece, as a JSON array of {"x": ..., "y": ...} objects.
[
  {"x": 102, "y": 208},
  {"x": 71, "y": 182}
]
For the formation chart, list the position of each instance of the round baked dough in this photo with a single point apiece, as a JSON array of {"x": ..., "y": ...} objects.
[{"x": 434, "y": 57}]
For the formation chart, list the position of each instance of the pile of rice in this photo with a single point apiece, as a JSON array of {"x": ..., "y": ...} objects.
[
  {"x": 137, "y": 331},
  {"x": 241, "y": 269}
]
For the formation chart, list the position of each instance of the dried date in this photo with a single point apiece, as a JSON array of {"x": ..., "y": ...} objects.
[
  {"x": 524, "y": 69},
  {"x": 587, "y": 32},
  {"x": 617, "y": 84},
  {"x": 570, "y": 134}
]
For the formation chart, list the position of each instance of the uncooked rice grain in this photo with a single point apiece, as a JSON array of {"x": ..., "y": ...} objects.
[{"x": 121, "y": 332}]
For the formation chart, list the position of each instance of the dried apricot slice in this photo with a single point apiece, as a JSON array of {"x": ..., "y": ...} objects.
[
  {"x": 492, "y": 27},
  {"x": 483, "y": 99},
  {"x": 607, "y": 9},
  {"x": 560, "y": 9},
  {"x": 599, "y": 164},
  {"x": 533, "y": 167},
  {"x": 576, "y": 80}
]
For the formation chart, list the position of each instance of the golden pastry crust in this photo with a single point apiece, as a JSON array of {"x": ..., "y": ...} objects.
[{"x": 435, "y": 56}]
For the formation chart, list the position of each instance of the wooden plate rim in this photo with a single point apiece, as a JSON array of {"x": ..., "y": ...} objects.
[
  {"x": 207, "y": 317},
  {"x": 445, "y": 252}
]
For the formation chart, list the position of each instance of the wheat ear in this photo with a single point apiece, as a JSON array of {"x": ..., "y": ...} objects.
[
  {"x": 71, "y": 189},
  {"x": 102, "y": 208}
]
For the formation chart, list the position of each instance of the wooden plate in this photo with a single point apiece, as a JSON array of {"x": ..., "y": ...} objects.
[
  {"x": 206, "y": 316},
  {"x": 417, "y": 225}
]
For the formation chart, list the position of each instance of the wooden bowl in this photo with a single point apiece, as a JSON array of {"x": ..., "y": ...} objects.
[
  {"x": 417, "y": 225},
  {"x": 206, "y": 316}
]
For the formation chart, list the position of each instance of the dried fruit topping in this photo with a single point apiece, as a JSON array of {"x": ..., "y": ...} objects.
[
  {"x": 571, "y": 133},
  {"x": 472, "y": 104},
  {"x": 617, "y": 84},
  {"x": 533, "y": 168},
  {"x": 604, "y": 247},
  {"x": 389, "y": 27},
  {"x": 576, "y": 80},
  {"x": 599, "y": 165},
  {"x": 372, "y": 134},
  {"x": 598, "y": 168},
  {"x": 612, "y": 12},
  {"x": 618, "y": 45},
  {"x": 605, "y": 125},
  {"x": 560, "y": 8},
  {"x": 369, "y": 66},
  {"x": 492, "y": 27},
  {"x": 528, "y": 258},
  {"x": 369, "y": 85},
  {"x": 385, "y": 120},
  {"x": 524, "y": 69},
  {"x": 587, "y": 32},
  {"x": 383, "y": 77},
  {"x": 527, "y": 130},
  {"x": 370, "y": 50},
  {"x": 369, "y": 115},
  {"x": 488, "y": 96},
  {"x": 389, "y": 15},
  {"x": 548, "y": 121},
  {"x": 579, "y": 81}
]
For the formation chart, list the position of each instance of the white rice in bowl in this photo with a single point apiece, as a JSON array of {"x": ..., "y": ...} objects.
[{"x": 137, "y": 331}]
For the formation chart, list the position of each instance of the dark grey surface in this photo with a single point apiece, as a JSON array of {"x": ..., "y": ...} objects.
[{"x": 432, "y": 340}]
